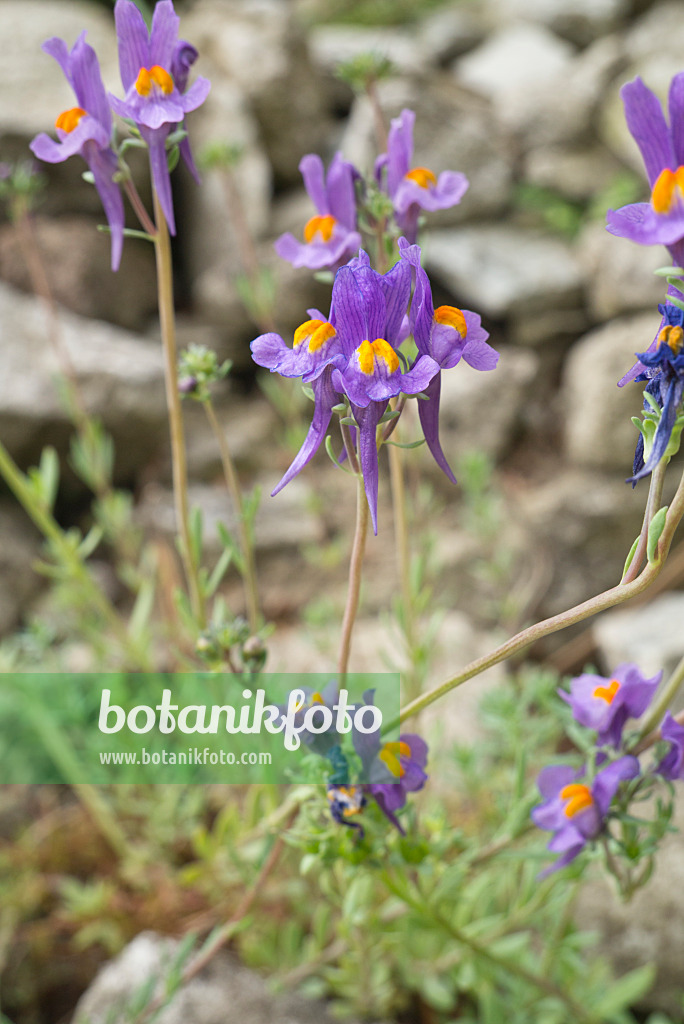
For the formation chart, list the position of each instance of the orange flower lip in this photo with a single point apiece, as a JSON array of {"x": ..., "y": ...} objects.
[
  {"x": 149, "y": 77},
  {"x": 667, "y": 189},
  {"x": 70, "y": 119},
  {"x": 607, "y": 693},
  {"x": 379, "y": 349},
  {"x": 578, "y": 798},
  {"x": 321, "y": 224},
  {"x": 422, "y": 176}
]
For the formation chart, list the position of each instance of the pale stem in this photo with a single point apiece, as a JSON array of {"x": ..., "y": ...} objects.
[
  {"x": 355, "y": 573},
  {"x": 658, "y": 709},
  {"x": 616, "y": 595},
  {"x": 178, "y": 456},
  {"x": 249, "y": 575},
  {"x": 655, "y": 493},
  {"x": 139, "y": 207}
]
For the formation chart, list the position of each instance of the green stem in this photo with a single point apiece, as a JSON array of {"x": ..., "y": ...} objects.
[
  {"x": 404, "y": 561},
  {"x": 616, "y": 595},
  {"x": 249, "y": 575},
  {"x": 64, "y": 551},
  {"x": 139, "y": 207},
  {"x": 162, "y": 245},
  {"x": 355, "y": 573},
  {"x": 658, "y": 709},
  {"x": 655, "y": 494},
  {"x": 539, "y": 981}
]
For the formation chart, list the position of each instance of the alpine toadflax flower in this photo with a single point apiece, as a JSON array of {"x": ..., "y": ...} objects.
[
  {"x": 410, "y": 188},
  {"x": 330, "y": 237},
  {"x": 661, "y": 220},
  {"x": 446, "y": 334},
  {"x": 352, "y": 354},
  {"x": 576, "y": 811},
  {"x": 606, "y": 703},
  {"x": 154, "y": 72},
  {"x": 86, "y": 130},
  {"x": 671, "y": 766}
]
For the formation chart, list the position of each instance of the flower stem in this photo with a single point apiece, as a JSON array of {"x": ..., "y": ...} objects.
[
  {"x": 162, "y": 247},
  {"x": 249, "y": 575},
  {"x": 608, "y": 599},
  {"x": 139, "y": 207},
  {"x": 655, "y": 493},
  {"x": 659, "y": 707},
  {"x": 355, "y": 573},
  {"x": 401, "y": 537}
]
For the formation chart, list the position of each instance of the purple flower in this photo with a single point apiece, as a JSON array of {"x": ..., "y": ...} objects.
[
  {"x": 345, "y": 802},
  {"x": 330, "y": 237},
  {"x": 660, "y": 221},
  {"x": 86, "y": 130},
  {"x": 445, "y": 334},
  {"x": 575, "y": 811},
  {"x": 353, "y": 353},
  {"x": 663, "y": 367},
  {"x": 672, "y": 765},
  {"x": 413, "y": 189},
  {"x": 605, "y": 704},
  {"x": 154, "y": 72}
]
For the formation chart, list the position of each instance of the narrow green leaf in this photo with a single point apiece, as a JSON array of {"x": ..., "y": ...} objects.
[
  {"x": 630, "y": 556},
  {"x": 655, "y": 530}
]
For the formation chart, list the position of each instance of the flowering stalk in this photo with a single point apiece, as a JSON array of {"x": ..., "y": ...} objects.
[
  {"x": 233, "y": 484},
  {"x": 162, "y": 246},
  {"x": 608, "y": 599},
  {"x": 355, "y": 573}
]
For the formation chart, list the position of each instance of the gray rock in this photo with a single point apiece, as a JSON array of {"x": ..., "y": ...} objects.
[
  {"x": 597, "y": 414},
  {"x": 331, "y": 45},
  {"x": 582, "y": 22},
  {"x": 515, "y": 58},
  {"x": 19, "y": 548},
  {"x": 643, "y": 635},
  {"x": 121, "y": 379},
  {"x": 648, "y": 928},
  {"x": 577, "y": 174},
  {"x": 449, "y": 32},
  {"x": 502, "y": 392},
  {"x": 76, "y": 257},
  {"x": 619, "y": 274},
  {"x": 224, "y": 993},
  {"x": 658, "y": 32},
  {"x": 584, "y": 523},
  {"x": 500, "y": 269},
  {"x": 281, "y": 522}
]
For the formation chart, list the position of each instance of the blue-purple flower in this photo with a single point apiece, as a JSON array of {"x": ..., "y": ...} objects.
[
  {"x": 413, "y": 189},
  {"x": 606, "y": 703},
  {"x": 446, "y": 334},
  {"x": 154, "y": 72},
  {"x": 663, "y": 368},
  {"x": 330, "y": 236},
  {"x": 346, "y": 802},
  {"x": 576, "y": 811},
  {"x": 86, "y": 130},
  {"x": 661, "y": 220},
  {"x": 671, "y": 766}
]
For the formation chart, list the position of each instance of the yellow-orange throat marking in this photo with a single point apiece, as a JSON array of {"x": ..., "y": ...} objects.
[
  {"x": 422, "y": 176},
  {"x": 379, "y": 349},
  {"x": 390, "y": 754},
  {"x": 321, "y": 224},
  {"x": 668, "y": 186},
  {"x": 578, "y": 798},
  {"x": 69, "y": 119},
  {"x": 450, "y": 316},
  {"x": 607, "y": 693},
  {"x": 156, "y": 75},
  {"x": 316, "y": 332},
  {"x": 672, "y": 336}
]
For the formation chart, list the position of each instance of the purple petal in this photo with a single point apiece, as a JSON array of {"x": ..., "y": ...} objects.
[
  {"x": 184, "y": 56},
  {"x": 131, "y": 33},
  {"x": 418, "y": 378},
  {"x": 646, "y": 122},
  {"x": 311, "y": 169},
  {"x": 368, "y": 419},
  {"x": 58, "y": 49},
  {"x": 325, "y": 398},
  {"x": 396, "y": 289},
  {"x": 347, "y": 305},
  {"x": 676, "y": 111},
  {"x": 340, "y": 189},
  {"x": 156, "y": 141},
  {"x": 428, "y": 411},
  {"x": 607, "y": 782},
  {"x": 555, "y": 778},
  {"x": 188, "y": 160},
  {"x": 195, "y": 96},
  {"x": 672, "y": 765},
  {"x": 641, "y": 224},
  {"x": 48, "y": 150},
  {"x": 381, "y": 794},
  {"x": 104, "y": 164},
  {"x": 477, "y": 353},
  {"x": 399, "y": 149},
  {"x": 87, "y": 83},
  {"x": 164, "y": 34},
  {"x": 448, "y": 191}
]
